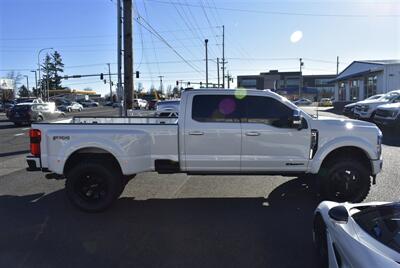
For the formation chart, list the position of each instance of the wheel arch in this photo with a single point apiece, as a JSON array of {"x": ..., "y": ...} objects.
[
  {"x": 346, "y": 151},
  {"x": 88, "y": 153}
]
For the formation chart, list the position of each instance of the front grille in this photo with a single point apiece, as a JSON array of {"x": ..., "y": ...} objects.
[{"x": 383, "y": 113}]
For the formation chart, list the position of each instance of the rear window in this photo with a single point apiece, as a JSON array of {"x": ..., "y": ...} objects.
[
  {"x": 382, "y": 223},
  {"x": 22, "y": 107},
  {"x": 216, "y": 108}
]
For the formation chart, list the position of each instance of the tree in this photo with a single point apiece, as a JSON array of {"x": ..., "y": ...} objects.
[
  {"x": 23, "y": 92},
  {"x": 169, "y": 90},
  {"x": 88, "y": 89},
  {"x": 52, "y": 67},
  {"x": 35, "y": 92},
  {"x": 140, "y": 87},
  {"x": 58, "y": 67},
  {"x": 16, "y": 76}
]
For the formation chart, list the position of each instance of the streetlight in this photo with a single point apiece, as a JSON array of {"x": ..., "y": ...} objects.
[{"x": 38, "y": 62}]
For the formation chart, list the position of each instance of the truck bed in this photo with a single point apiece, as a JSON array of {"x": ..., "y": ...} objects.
[{"x": 136, "y": 142}]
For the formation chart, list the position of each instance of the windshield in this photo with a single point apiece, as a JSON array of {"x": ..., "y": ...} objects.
[
  {"x": 390, "y": 96},
  {"x": 374, "y": 97},
  {"x": 382, "y": 223}
]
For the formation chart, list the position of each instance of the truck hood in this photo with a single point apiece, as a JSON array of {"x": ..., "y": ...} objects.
[
  {"x": 339, "y": 122},
  {"x": 373, "y": 102},
  {"x": 390, "y": 106}
]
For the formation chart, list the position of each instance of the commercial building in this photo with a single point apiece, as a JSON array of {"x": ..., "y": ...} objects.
[
  {"x": 289, "y": 84},
  {"x": 362, "y": 79}
]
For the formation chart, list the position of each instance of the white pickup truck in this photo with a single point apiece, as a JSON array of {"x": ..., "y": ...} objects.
[{"x": 218, "y": 131}]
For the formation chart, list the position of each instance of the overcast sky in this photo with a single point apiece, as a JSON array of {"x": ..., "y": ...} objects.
[{"x": 259, "y": 36}]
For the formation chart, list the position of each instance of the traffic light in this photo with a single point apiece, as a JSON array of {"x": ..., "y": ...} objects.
[
  {"x": 105, "y": 81},
  {"x": 188, "y": 83},
  {"x": 101, "y": 76},
  {"x": 137, "y": 74},
  {"x": 177, "y": 83},
  {"x": 201, "y": 83}
]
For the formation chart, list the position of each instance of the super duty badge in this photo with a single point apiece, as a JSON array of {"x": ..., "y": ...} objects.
[{"x": 63, "y": 138}]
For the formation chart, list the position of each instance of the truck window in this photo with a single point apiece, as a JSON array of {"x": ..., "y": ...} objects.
[
  {"x": 216, "y": 108},
  {"x": 268, "y": 111}
]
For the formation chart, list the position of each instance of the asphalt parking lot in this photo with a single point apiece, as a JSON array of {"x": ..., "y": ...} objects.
[{"x": 164, "y": 220}]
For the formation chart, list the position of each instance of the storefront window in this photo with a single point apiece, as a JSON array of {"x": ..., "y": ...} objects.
[
  {"x": 342, "y": 92},
  {"x": 354, "y": 90},
  {"x": 370, "y": 86}
]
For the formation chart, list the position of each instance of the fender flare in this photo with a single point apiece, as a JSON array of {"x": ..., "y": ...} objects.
[{"x": 346, "y": 141}]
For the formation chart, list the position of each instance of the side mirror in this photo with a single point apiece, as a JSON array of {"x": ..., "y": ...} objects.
[
  {"x": 297, "y": 119},
  {"x": 339, "y": 214}
]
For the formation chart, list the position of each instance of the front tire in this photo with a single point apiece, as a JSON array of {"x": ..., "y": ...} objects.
[
  {"x": 345, "y": 180},
  {"x": 93, "y": 186}
]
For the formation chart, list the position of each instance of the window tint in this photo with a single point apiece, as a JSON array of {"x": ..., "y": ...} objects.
[
  {"x": 215, "y": 108},
  {"x": 382, "y": 223},
  {"x": 267, "y": 111}
]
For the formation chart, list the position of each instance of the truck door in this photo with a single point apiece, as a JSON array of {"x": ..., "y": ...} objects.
[
  {"x": 269, "y": 143},
  {"x": 212, "y": 133}
]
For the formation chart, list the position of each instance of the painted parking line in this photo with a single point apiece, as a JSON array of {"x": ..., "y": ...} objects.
[{"x": 19, "y": 134}]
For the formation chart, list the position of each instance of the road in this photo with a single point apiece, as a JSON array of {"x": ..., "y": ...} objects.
[{"x": 168, "y": 220}]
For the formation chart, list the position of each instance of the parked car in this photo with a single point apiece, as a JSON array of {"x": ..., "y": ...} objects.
[
  {"x": 152, "y": 104},
  {"x": 29, "y": 100},
  {"x": 6, "y": 106},
  {"x": 88, "y": 103},
  {"x": 388, "y": 115},
  {"x": 325, "y": 102},
  {"x": 168, "y": 108},
  {"x": 139, "y": 104},
  {"x": 26, "y": 113},
  {"x": 348, "y": 109},
  {"x": 363, "y": 235},
  {"x": 67, "y": 106},
  {"x": 118, "y": 104},
  {"x": 216, "y": 132},
  {"x": 366, "y": 109},
  {"x": 302, "y": 102}
]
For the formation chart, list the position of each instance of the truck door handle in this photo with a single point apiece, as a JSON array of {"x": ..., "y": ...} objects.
[
  {"x": 196, "y": 133},
  {"x": 252, "y": 133}
]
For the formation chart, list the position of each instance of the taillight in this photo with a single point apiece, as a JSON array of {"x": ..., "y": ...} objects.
[{"x": 35, "y": 137}]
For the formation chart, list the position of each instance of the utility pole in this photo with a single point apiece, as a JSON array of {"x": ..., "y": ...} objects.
[
  {"x": 205, "y": 43},
  {"x": 337, "y": 65},
  {"x": 109, "y": 81},
  {"x": 223, "y": 56},
  {"x": 218, "y": 71},
  {"x": 27, "y": 81},
  {"x": 229, "y": 79},
  {"x": 161, "y": 84},
  {"x": 119, "y": 55},
  {"x": 34, "y": 71},
  {"x": 128, "y": 56},
  {"x": 301, "y": 77}
]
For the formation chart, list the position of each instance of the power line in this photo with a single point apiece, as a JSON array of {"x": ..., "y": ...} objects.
[
  {"x": 152, "y": 30},
  {"x": 280, "y": 12}
]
